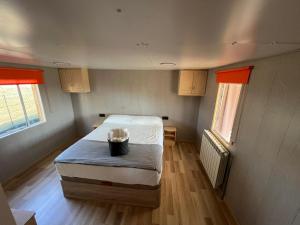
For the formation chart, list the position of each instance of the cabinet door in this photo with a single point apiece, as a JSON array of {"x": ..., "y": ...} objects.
[
  {"x": 65, "y": 80},
  {"x": 185, "y": 82},
  {"x": 199, "y": 82},
  {"x": 85, "y": 80},
  {"x": 74, "y": 80}
]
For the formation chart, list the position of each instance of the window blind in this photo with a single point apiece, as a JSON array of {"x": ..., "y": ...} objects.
[
  {"x": 237, "y": 76},
  {"x": 10, "y": 76}
]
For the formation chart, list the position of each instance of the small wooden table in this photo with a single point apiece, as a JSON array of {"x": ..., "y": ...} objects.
[{"x": 170, "y": 135}]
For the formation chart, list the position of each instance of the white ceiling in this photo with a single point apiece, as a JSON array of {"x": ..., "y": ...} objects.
[{"x": 190, "y": 33}]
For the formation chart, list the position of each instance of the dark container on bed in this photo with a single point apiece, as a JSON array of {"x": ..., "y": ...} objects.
[{"x": 118, "y": 148}]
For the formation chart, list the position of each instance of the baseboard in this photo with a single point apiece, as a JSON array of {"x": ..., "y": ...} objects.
[
  {"x": 228, "y": 213},
  {"x": 229, "y": 216},
  {"x": 6, "y": 184}
]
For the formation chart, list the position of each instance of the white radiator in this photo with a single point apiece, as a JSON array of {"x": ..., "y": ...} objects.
[{"x": 214, "y": 157}]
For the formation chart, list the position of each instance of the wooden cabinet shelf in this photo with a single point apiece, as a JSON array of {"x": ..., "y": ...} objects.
[
  {"x": 192, "y": 82},
  {"x": 74, "y": 80},
  {"x": 170, "y": 135}
]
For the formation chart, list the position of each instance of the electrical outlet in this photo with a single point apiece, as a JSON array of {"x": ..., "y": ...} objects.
[{"x": 165, "y": 117}]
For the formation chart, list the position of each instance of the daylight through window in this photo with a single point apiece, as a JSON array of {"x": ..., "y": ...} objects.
[
  {"x": 226, "y": 110},
  {"x": 20, "y": 107}
]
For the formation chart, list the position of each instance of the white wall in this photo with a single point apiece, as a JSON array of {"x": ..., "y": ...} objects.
[
  {"x": 264, "y": 182},
  {"x": 20, "y": 150}
]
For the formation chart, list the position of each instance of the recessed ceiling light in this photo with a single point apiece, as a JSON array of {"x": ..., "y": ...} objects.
[
  {"x": 167, "y": 64},
  {"x": 119, "y": 10},
  {"x": 264, "y": 43},
  {"x": 61, "y": 64},
  {"x": 142, "y": 44}
]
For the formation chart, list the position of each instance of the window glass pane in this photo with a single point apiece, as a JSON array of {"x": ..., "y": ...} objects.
[
  {"x": 11, "y": 112},
  {"x": 226, "y": 108},
  {"x": 31, "y": 102}
]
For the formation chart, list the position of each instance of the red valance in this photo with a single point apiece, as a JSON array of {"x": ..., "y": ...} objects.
[
  {"x": 20, "y": 76},
  {"x": 239, "y": 75}
]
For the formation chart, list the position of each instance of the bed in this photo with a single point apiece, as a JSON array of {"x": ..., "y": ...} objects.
[{"x": 87, "y": 170}]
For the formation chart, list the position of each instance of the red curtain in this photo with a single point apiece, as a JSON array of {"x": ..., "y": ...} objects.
[
  {"x": 20, "y": 76},
  {"x": 238, "y": 76}
]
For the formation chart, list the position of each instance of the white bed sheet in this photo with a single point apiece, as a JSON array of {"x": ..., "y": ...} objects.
[{"x": 142, "y": 130}]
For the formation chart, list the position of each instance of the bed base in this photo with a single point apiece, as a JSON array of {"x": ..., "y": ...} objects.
[{"x": 136, "y": 195}]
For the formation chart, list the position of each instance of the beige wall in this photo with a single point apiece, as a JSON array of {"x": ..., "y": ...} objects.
[
  {"x": 264, "y": 182},
  {"x": 136, "y": 92},
  {"x": 20, "y": 150}
]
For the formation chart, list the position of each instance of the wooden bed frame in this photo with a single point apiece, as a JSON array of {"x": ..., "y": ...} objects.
[{"x": 137, "y": 195}]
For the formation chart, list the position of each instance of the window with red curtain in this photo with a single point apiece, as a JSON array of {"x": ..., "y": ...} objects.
[
  {"x": 231, "y": 85},
  {"x": 20, "y": 102},
  {"x": 10, "y": 76},
  {"x": 234, "y": 76}
]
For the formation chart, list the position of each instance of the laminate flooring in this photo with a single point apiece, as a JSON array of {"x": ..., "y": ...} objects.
[{"x": 187, "y": 197}]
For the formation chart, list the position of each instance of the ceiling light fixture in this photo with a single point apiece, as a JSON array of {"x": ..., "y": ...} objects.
[
  {"x": 264, "y": 43},
  {"x": 119, "y": 10},
  {"x": 167, "y": 64},
  {"x": 142, "y": 44},
  {"x": 61, "y": 64}
]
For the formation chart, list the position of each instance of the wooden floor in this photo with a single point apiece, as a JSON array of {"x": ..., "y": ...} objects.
[{"x": 186, "y": 197}]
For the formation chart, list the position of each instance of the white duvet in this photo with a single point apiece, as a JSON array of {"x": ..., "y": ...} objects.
[{"x": 142, "y": 129}]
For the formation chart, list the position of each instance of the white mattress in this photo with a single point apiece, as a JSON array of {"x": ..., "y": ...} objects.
[
  {"x": 142, "y": 130},
  {"x": 112, "y": 174}
]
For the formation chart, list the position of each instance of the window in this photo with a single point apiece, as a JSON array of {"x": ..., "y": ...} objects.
[
  {"x": 226, "y": 111},
  {"x": 20, "y": 107}
]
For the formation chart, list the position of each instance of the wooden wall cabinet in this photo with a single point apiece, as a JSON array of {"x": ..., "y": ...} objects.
[
  {"x": 74, "y": 80},
  {"x": 192, "y": 82}
]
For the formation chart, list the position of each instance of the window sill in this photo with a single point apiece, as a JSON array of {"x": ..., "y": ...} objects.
[
  {"x": 226, "y": 144},
  {"x": 21, "y": 129}
]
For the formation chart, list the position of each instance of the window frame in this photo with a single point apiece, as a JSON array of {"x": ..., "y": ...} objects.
[
  {"x": 237, "y": 118},
  {"x": 28, "y": 126}
]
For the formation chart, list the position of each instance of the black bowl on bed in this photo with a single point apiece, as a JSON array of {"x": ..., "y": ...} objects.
[{"x": 118, "y": 148}]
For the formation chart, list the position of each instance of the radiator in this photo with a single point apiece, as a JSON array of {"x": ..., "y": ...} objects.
[{"x": 214, "y": 157}]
